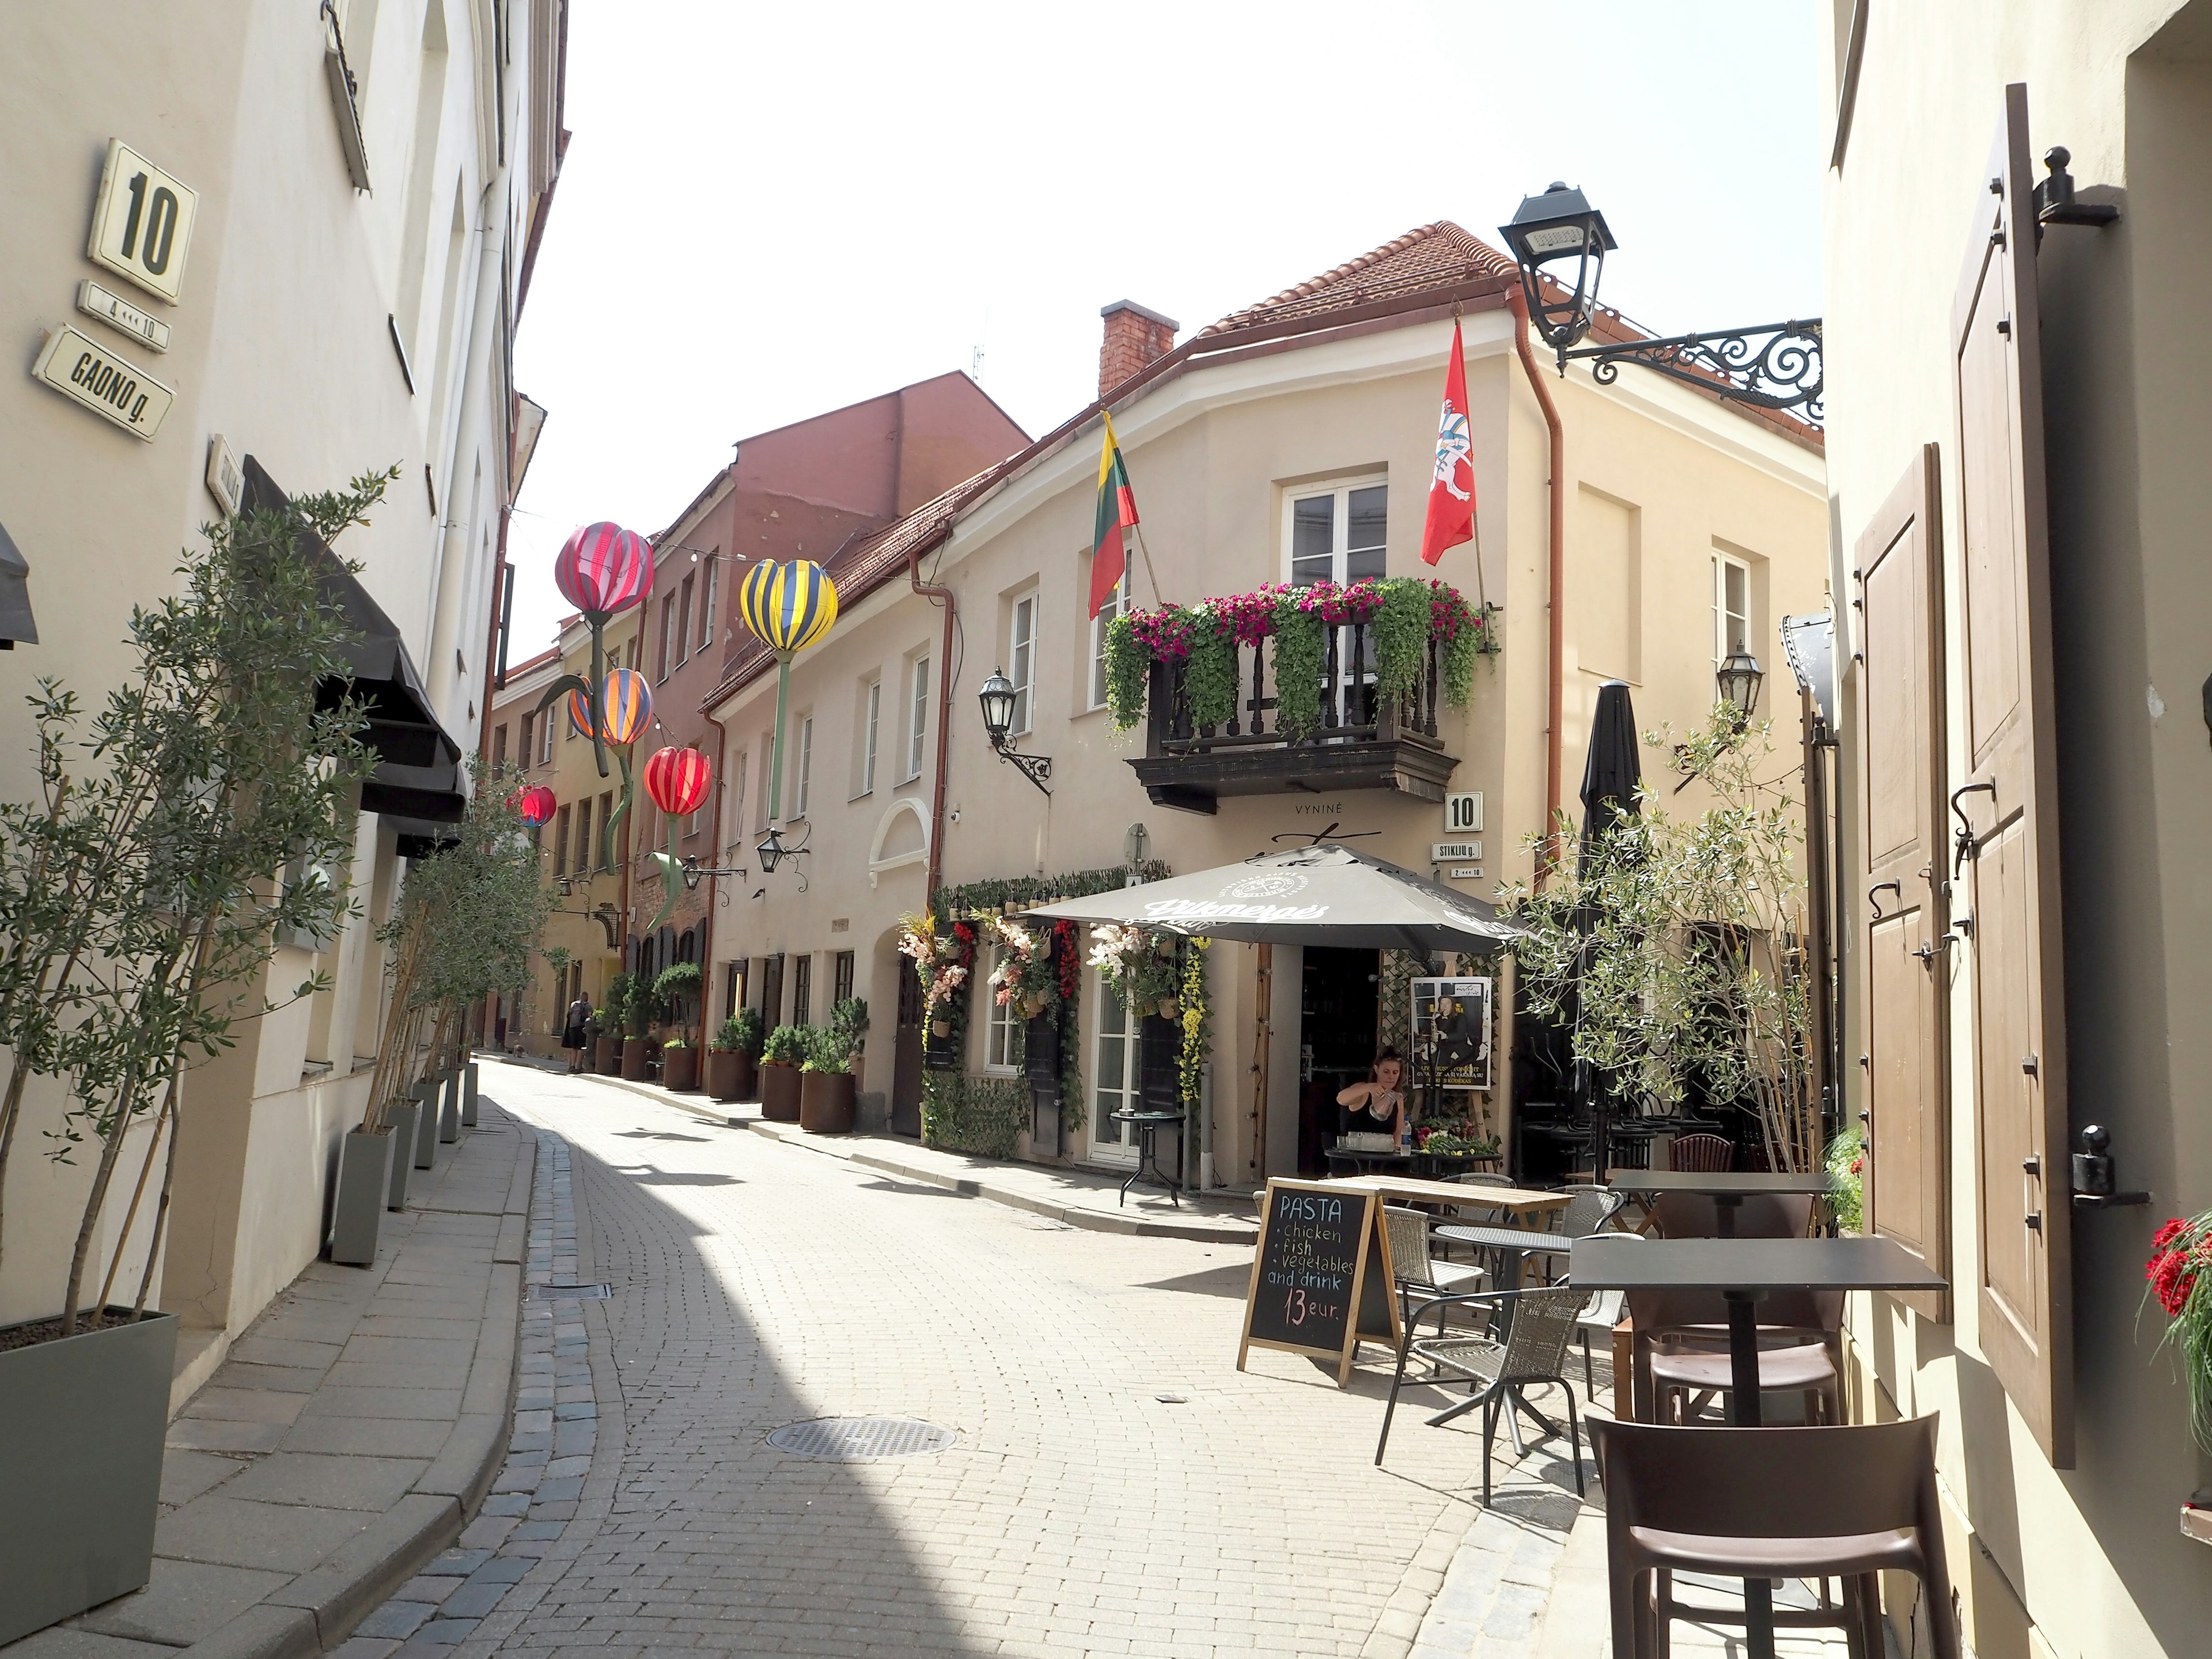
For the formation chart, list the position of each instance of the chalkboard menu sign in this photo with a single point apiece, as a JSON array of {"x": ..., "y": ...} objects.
[{"x": 1321, "y": 1277}]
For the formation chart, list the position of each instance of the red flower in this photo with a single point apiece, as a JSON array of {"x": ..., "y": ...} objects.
[{"x": 2166, "y": 1235}]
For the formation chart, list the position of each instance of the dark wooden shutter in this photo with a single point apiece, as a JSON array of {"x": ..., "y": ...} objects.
[
  {"x": 2009, "y": 798},
  {"x": 1903, "y": 978}
]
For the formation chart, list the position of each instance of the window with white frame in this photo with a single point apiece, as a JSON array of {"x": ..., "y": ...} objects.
[
  {"x": 871, "y": 710},
  {"x": 737, "y": 796},
  {"x": 1114, "y": 1068},
  {"x": 804, "y": 786},
  {"x": 1336, "y": 532},
  {"x": 707, "y": 612},
  {"x": 1002, "y": 1036},
  {"x": 917, "y": 720},
  {"x": 1731, "y": 607},
  {"x": 545, "y": 740},
  {"x": 1116, "y": 602},
  {"x": 1021, "y": 662}
]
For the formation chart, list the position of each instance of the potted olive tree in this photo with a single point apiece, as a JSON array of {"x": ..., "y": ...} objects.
[
  {"x": 637, "y": 1016},
  {"x": 826, "y": 1087},
  {"x": 141, "y": 920},
  {"x": 730, "y": 1073},
  {"x": 677, "y": 990},
  {"x": 787, "y": 1048}
]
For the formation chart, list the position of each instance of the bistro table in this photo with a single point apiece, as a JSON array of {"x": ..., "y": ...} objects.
[
  {"x": 1743, "y": 1270},
  {"x": 1519, "y": 1201},
  {"x": 1147, "y": 1126},
  {"x": 1726, "y": 1188},
  {"x": 1512, "y": 1244}
]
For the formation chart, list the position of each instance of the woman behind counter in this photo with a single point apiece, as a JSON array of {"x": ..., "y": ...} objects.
[{"x": 1379, "y": 1098}]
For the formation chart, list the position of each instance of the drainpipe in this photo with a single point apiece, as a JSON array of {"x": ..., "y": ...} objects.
[
  {"x": 1557, "y": 576},
  {"x": 935, "y": 591},
  {"x": 714, "y": 847}
]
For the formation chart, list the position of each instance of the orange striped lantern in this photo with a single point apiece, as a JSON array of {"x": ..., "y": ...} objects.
[
  {"x": 678, "y": 780},
  {"x": 627, "y": 704}
]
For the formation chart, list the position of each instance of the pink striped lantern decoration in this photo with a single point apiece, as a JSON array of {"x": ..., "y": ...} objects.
[{"x": 603, "y": 569}]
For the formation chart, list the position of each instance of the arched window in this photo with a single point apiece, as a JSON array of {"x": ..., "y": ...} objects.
[{"x": 687, "y": 947}]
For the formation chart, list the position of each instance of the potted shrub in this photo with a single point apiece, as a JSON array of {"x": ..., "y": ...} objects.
[
  {"x": 826, "y": 1087},
  {"x": 636, "y": 1014},
  {"x": 678, "y": 989},
  {"x": 787, "y": 1048},
  {"x": 606, "y": 1029},
  {"x": 141, "y": 917},
  {"x": 730, "y": 1073}
]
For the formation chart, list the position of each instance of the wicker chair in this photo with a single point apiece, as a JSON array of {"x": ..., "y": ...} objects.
[
  {"x": 1418, "y": 1273},
  {"x": 1533, "y": 1352},
  {"x": 1706, "y": 1154}
]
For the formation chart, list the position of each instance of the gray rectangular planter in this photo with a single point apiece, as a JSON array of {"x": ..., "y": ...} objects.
[
  {"x": 81, "y": 1428},
  {"x": 469, "y": 1095},
  {"x": 364, "y": 1187},
  {"x": 401, "y": 1115},
  {"x": 426, "y": 1122},
  {"x": 449, "y": 1110}
]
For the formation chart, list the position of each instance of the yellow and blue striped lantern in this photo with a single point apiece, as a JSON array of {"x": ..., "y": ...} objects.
[
  {"x": 628, "y": 705},
  {"x": 788, "y": 606}
]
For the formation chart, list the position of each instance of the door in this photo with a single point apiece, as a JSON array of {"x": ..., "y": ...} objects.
[
  {"x": 1904, "y": 958},
  {"x": 1115, "y": 1078},
  {"x": 2008, "y": 800},
  {"x": 906, "y": 1054}
]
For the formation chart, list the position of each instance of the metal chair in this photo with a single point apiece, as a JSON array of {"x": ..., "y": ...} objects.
[
  {"x": 1532, "y": 1351},
  {"x": 1680, "y": 1353},
  {"x": 1758, "y": 1215},
  {"x": 1706, "y": 1154},
  {"x": 1847, "y": 1502},
  {"x": 1418, "y": 1273},
  {"x": 1589, "y": 1209}
]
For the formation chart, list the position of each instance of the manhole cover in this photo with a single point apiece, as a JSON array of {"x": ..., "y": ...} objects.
[
  {"x": 850, "y": 1438},
  {"x": 580, "y": 1292}
]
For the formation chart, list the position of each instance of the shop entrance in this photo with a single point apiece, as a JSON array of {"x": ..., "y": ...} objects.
[{"x": 1336, "y": 1042}]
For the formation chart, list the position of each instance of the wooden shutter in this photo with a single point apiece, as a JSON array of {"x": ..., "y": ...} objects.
[
  {"x": 2009, "y": 798},
  {"x": 1903, "y": 977}
]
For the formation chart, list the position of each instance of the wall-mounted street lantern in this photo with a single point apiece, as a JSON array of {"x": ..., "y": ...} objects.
[
  {"x": 695, "y": 872},
  {"x": 1737, "y": 680},
  {"x": 1560, "y": 242},
  {"x": 997, "y": 698},
  {"x": 771, "y": 851}
]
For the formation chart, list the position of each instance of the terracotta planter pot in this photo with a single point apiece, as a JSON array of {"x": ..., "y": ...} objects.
[
  {"x": 606, "y": 1055},
  {"x": 80, "y": 1427},
  {"x": 679, "y": 1069},
  {"x": 825, "y": 1102},
  {"x": 778, "y": 1092},
  {"x": 730, "y": 1075},
  {"x": 633, "y": 1055}
]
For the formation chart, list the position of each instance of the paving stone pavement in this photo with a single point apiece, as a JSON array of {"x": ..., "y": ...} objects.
[{"x": 756, "y": 1285}]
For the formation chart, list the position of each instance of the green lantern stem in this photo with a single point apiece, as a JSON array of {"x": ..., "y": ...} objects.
[
  {"x": 621, "y": 807},
  {"x": 595, "y": 702},
  {"x": 670, "y": 870},
  {"x": 775, "y": 761}
]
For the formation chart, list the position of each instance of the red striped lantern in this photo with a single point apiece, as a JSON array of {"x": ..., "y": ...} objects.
[
  {"x": 536, "y": 804},
  {"x": 678, "y": 780},
  {"x": 604, "y": 568}
]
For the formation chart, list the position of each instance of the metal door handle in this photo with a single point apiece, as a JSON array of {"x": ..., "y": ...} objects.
[
  {"x": 1964, "y": 848},
  {"x": 1875, "y": 904}
]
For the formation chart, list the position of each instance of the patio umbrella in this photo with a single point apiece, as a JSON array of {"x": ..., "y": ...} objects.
[
  {"x": 1326, "y": 895},
  {"x": 1612, "y": 775}
]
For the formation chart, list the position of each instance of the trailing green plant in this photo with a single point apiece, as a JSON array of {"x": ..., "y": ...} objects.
[
  {"x": 1128, "y": 672},
  {"x": 984, "y": 1115},
  {"x": 1209, "y": 676},
  {"x": 1400, "y": 630},
  {"x": 787, "y": 1045},
  {"x": 1846, "y": 1167},
  {"x": 2176, "y": 1278},
  {"x": 1301, "y": 660},
  {"x": 139, "y": 892},
  {"x": 1673, "y": 948}
]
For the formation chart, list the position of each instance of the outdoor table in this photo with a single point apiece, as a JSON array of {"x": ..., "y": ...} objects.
[
  {"x": 1521, "y": 1201},
  {"x": 1726, "y": 1188},
  {"x": 1148, "y": 1126},
  {"x": 1743, "y": 1270},
  {"x": 1361, "y": 1162},
  {"x": 1513, "y": 1245}
]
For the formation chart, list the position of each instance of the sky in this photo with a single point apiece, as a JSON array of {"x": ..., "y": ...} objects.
[{"x": 772, "y": 210}]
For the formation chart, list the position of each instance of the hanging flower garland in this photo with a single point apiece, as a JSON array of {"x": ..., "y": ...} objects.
[
  {"x": 1197, "y": 1022},
  {"x": 943, "y": 961},
  {"x": 1139, "y": 965},
  {"x": 1406, "y": 613},
  {"x": 1025, "y": 977}
]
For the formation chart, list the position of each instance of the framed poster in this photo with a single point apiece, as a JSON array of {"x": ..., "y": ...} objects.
[{"x": 1457, "y": 1014}]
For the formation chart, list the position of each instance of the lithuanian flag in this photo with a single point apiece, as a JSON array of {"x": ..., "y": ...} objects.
[{"x": 1117, "y": 510}]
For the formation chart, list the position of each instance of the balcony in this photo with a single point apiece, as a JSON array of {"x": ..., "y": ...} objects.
[{"x": 1359, "y": 740}]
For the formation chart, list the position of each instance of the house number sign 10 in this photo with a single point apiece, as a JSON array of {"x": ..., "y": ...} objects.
[
  {"x": 141, "y": 222},
  {"x": 1464, "y": 814}
]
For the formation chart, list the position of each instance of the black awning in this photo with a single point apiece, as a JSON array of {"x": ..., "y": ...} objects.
[
  {"x": 16, "y": 622},
  {"x": 419, "y": 838},
  {"x": 419, "y": 776}
]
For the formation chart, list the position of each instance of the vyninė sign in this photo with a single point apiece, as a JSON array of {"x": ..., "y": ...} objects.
[{"x": 88, "y": 373}]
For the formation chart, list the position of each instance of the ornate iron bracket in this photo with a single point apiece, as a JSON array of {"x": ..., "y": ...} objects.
[
  {"x": 1035, "y": 767},
  {"x": 1772, "y": 366}
]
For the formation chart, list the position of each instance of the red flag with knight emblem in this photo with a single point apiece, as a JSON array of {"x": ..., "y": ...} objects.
[{"x": 1451, "y": 491}]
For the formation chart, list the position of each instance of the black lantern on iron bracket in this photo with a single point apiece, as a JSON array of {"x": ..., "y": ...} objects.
[
  {"x": 998, "y": 697},
  {"x": 1738, "y": 679},
  {"x": 1560, "y": 242}
]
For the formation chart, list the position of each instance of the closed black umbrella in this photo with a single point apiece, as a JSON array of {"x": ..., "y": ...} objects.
[{"x": 1613, "y": 775}]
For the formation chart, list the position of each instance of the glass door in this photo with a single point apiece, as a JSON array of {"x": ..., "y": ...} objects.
[{"x": 1113, "y": 1074}]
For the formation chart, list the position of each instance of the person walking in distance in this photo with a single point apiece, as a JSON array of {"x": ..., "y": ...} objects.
[{"x": 576, "y": 1030}]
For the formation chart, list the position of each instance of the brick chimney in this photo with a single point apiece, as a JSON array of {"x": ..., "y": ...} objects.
[{"x": 1134, "y": 337}]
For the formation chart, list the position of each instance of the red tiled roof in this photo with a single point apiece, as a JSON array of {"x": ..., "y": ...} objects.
[{"x": 1440, "y": 255}]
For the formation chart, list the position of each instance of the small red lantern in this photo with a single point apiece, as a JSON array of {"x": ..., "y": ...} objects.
[
  {"x": 536, "y": 804},
  {"x": 678, "y": 780},
  {"x": 604, "y": 568}
]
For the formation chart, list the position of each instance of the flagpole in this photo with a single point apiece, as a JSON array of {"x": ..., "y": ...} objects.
[{"x": 1144, "y": 548}]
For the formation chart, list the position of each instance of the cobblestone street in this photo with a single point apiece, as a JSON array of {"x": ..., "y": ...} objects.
[{"x": 756, "y": 1284}]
